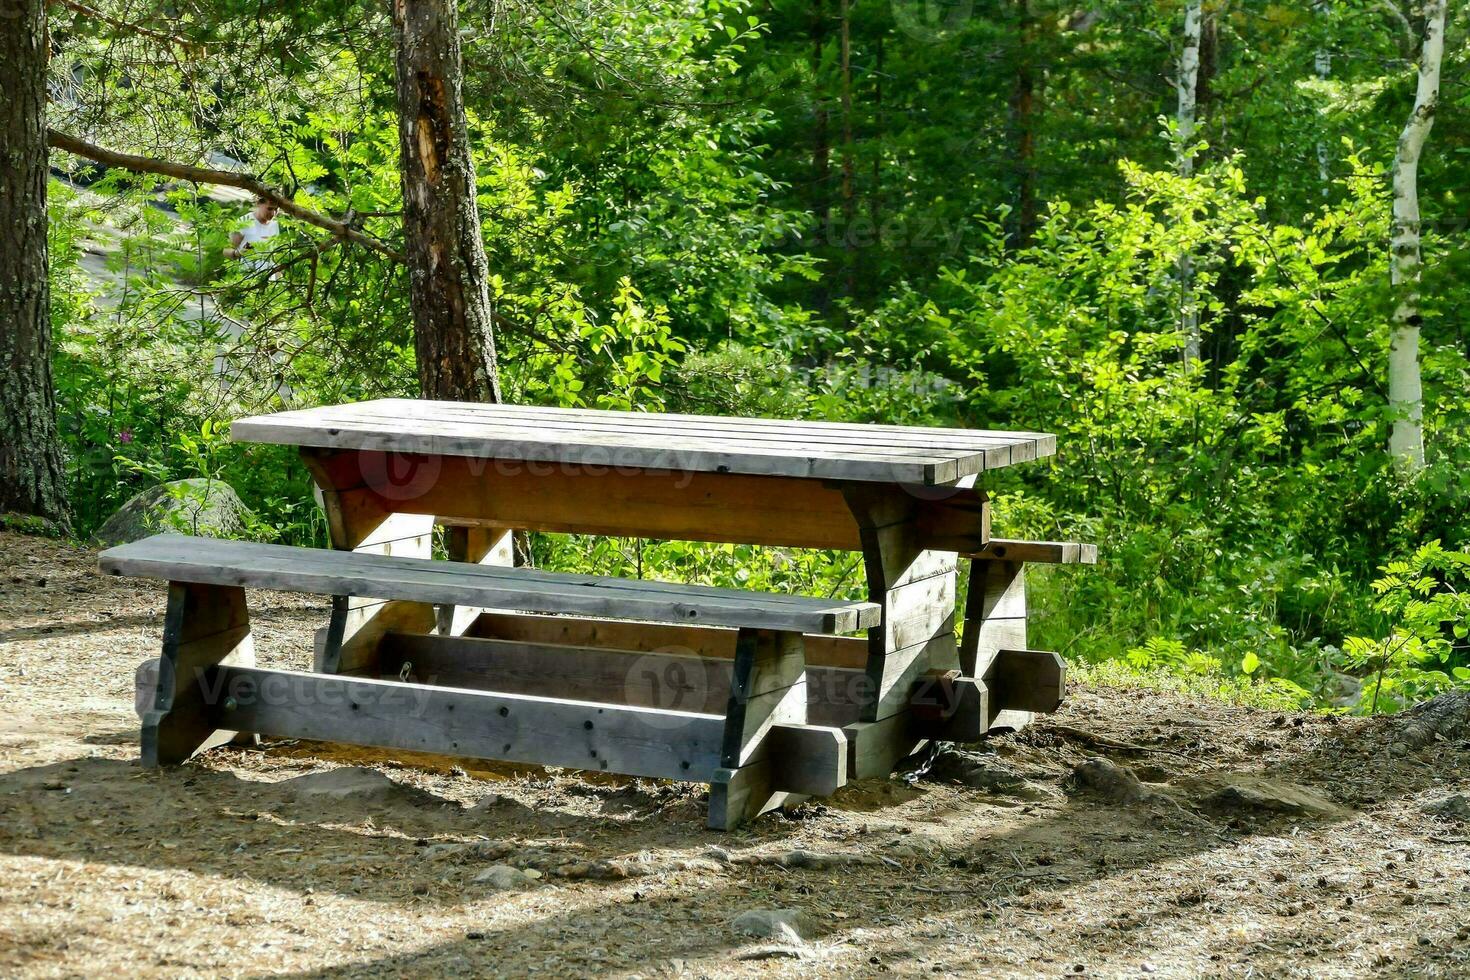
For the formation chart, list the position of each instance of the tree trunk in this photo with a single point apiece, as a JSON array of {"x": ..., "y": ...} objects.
[
  {"x": 821, "y": 147},
  {"x": 1405, "y": 393},
  {"x": 849, "y": 165},
  {"x": 32, "y": 478},
  {"x": 1187, "y": 86},
  {"x": 1323, "y": 65},
  {"x": 449, "y": 276},
  {"x": 1023, "y": 128}
]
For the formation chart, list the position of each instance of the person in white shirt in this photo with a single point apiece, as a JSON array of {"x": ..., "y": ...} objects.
[{"x": 257, "y": 227}]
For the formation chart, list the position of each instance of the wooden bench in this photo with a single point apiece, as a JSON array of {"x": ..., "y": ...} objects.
[{"x": 758, "y": 753}]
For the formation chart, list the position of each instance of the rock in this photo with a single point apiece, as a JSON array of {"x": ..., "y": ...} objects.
[
  {"x": 1117, "y": 783},
  {"x": 983, "y": 772},
  {"x": 1442, "y": 719},
  {"x": 503, "y": 877},
  {"x": 1456, "y": 808},
  {"x": 1269, "y": 796},
  {"x": 208, "y": 508},
  {"x": 354, "y": 783},
  {"x": 784, "y": 925}
]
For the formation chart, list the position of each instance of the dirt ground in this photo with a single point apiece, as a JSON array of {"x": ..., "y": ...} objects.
[{"x": 1255, "y": 844}]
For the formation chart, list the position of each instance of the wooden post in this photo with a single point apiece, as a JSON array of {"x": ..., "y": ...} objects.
[
  {"x": 205, "y": 626},
  {"x": 915, "y": 586},
  {"x": 359, "y": 519},
  {"x": 478, "y": 546}
]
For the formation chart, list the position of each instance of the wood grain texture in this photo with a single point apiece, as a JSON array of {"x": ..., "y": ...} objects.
[
  {"x": 892, "y": 454},
  {"x": 453, "y": 721},
  {"x": 204, "y": 626},
  {"x": 209, "y": 561},
  {"x": 1039, "y": 552}
]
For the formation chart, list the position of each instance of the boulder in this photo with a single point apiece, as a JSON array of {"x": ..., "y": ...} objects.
[
  {"x": 208, "y": 508},
  {"x": 1240, "y": 793}
]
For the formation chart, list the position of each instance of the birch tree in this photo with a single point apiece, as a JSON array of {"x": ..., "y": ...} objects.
[
  {"x": 1405, "y": 391},
  {"x": 1323, "y": 66},
  {"x": 1187, "y": 85},
  {"x": 31, "y": 473}
]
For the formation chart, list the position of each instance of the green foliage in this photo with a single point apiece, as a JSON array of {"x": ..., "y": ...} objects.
[{"x": 1426, "y": 600}]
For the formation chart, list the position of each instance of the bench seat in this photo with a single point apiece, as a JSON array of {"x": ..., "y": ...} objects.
[
  {"x": 211, "y": 561},
  {"x": 756, "y": 754}
]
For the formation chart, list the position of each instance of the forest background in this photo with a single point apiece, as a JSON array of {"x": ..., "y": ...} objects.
[{"x": 1174, "y": 232}]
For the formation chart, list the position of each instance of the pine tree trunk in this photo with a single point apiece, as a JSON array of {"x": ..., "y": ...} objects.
[
  {"x": 1405, "y": 393},
  {"x": 1023, "y": 129},
  {"x": 32, "y": 478},
  {"x": 1187, "y": 85},
  {"x": 449, "y": 276}
]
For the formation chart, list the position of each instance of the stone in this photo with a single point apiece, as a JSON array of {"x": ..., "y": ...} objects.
[
  {"x": 983, "y": 772},
  {"x": 356, "y": 784},
  {"x": 1108, "y": 779},
  {"x": 503, "y": 877},
  {"x": 198, "y": 506},
  {"x": 786, "y": 926},
  {"x": 1454, "y": 808},
  {"x": 1254, "y": 793}
]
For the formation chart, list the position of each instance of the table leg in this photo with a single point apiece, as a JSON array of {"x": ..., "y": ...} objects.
[
  {"x": 916, "y": 587},
  {"x": 358, "y": 519},
  {"x": 478, "y": 546}
]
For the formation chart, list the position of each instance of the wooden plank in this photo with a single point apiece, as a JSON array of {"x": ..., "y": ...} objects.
[
  {"x": 1039, "y": 552},
  {"x": 767, "y": 687},
  {"x": 476, "y": 546},
  {"x": 349, "y": 644},
  {"x": 212, "y": 561},
  {"x": 924, "y": 467},
  {"x": 652, "y": 680},
  {"x": 875, "y": 747},
  {"x": 695, "y": 641},
  {"x": 996, "y": 449},
  {"x": 995, "y": 614},
  {"x": 407, "y": 412},
  {"x": 782, "y": 511},
  {"x": 950, "y": 708},
  {"x": 475, "y": 724},
  {"x": 636, "y": 439},
  {"x": 737, "y": 796},
  {"x": 204, "y": 626},
  {"x": 1026, "y": 680}
]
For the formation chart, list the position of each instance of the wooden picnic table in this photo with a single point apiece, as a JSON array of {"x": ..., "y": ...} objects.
[
  {"x": 908, "y": 498},
  {"x": 767, "y": 698}
]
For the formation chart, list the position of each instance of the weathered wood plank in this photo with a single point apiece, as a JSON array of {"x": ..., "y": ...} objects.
[
  {"x": 217, "y": 562},
  {"x": 476, "y": 546},
  {"x": 698, "y": 641},
  {"x": 767, "y": 687},
  {"x": 821, "y": 450},
  {"x": 1026, "y": 680},
  {"x": 477, "y": 724},
  {"x": 995, "y": 614},
  {"x": 204, "y": 626},
  {"x": 349, "y": 644},
  {"x": 1038, "y": 552}
]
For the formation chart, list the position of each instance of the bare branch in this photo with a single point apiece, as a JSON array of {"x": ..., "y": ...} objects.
[{"x": 204, "y": 175}]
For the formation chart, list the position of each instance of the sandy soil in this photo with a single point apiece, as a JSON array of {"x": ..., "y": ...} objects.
[{"x": 244, "y": 863}]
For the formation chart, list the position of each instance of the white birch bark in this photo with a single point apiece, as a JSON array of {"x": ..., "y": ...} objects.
[
  {"x": 1187, "y": 85},
  {"x": 1324, "y": 72},
  {"x": 1405, "y": 393}
]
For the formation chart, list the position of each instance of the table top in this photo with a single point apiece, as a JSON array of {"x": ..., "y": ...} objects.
[{"x": 647, "y": 440}]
